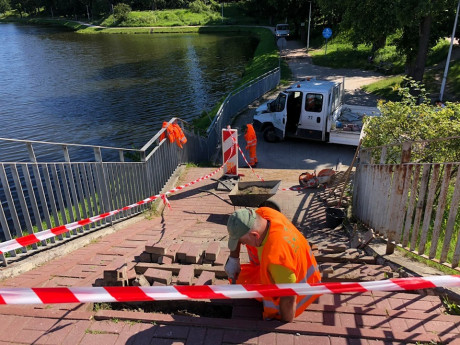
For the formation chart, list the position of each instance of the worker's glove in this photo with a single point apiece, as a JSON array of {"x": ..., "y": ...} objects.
[{"x": 233, "y": 268}]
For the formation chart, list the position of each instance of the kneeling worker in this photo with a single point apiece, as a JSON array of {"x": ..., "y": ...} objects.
[{"x": 278, "y": 254}]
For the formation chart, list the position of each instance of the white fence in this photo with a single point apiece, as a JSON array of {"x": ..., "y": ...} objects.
[{"x": 409, "y": 201}]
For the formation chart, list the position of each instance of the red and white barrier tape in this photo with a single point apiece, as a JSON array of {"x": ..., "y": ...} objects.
[
  {"x": 159, "y": 293},
  {"x": 59, "y": 230},
  {"x": 244, "y": 157}
]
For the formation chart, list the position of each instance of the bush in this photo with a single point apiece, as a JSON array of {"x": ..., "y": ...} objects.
[
  {"x": 121, "y": 12},
  {"x": 198, "y": 6}
]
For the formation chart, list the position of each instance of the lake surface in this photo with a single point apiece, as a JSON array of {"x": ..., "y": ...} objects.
[{"x": 112, "y": 90}]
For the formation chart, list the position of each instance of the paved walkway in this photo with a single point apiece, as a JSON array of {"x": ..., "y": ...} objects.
[{"x": 200, "y": 217}]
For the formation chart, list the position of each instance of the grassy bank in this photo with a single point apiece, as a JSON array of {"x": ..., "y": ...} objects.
[
  {"x": 342, "y": 54},
  {"x": 164, "y": 18}
]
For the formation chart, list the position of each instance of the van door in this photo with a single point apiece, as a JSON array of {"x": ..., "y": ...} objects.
[
  {"x": 279, "y": 114},
  {"x": 312, "y": 120}
]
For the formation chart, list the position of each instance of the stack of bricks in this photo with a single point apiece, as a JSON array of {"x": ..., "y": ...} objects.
[
  {"x": 116, "y": 274},
  {"x": 183, "y": 263}
]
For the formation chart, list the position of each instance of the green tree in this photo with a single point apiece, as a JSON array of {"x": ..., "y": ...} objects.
[
  {"x": 4, "y": 6},
  {"x": 418, "y": 24},
  {"x": 121, "y": 12},
  {"x": 409, "y": 121}
]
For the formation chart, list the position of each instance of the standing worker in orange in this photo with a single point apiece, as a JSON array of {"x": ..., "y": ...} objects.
[
  {"x": 251, "y": 143},
  {"x": 278, "y": 254}
]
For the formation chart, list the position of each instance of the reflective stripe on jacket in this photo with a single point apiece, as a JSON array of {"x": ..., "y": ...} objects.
[
  {"x": 179, "y": 134},
  {"x": 287, "y": 247}
]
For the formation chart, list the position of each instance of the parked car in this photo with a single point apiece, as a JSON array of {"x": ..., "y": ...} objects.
[{"x": 282, "y": 30}]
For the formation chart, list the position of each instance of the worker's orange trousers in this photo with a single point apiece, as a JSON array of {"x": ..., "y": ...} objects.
[{"x": 252, "y": 155}]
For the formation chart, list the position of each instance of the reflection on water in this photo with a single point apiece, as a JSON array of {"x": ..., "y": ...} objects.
[{"x": 112, "y": 90}]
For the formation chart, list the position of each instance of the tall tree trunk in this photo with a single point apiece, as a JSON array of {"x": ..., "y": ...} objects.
[{"x": 423, "y": 44}]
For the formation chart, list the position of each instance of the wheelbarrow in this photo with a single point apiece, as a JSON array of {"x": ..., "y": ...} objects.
[
  {"x": 255, "y": 194},
  {"x": 252, "y": 194}
]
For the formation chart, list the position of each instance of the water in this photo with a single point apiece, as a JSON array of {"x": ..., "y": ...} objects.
[{"x": 112, "y": 90}]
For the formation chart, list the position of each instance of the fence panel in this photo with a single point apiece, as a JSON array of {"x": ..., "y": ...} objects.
[{"x": 411, "y": 204}]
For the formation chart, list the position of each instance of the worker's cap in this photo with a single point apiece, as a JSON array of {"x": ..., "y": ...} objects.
[{"x": 238, "y": 225}]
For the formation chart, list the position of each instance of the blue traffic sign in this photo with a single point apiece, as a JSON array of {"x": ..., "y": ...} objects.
[{"x": 327, "y": 33}]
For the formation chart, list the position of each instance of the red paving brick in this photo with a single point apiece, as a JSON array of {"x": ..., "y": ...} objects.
[
  {"x": 346, "y": 319},
  {"x": 186, "y": 275}
]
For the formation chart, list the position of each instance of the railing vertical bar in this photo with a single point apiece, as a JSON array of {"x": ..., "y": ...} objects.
[
  {"x": 442, "y": 200},
  {"x": 140, "y": 181},
  {"x": 73, "y": 193},
  {"x": 374, "y": 199},
  {"x": 138, "y": 194},
  {"x": 106, "y": 184},
  {"x": 42, "y": 196},
  {"x": 131, "y": 188},
  {"x": 419, "y": 208},
  {"x": 9, "y": 198},
  {"x": 127, "y": 199},
  {"x": 22, "y": 202},
  {"x": 404, "y": 185},
  {"x": 451, "y": 225},
  {"x": 87, "y": 193},
  {"x": 385, "y": 197},
  {"x": 381, "y": 197},
  {"x": 65, "y": 186},
  {"x": 112, "y": 189},
  {"x": 357, "y": 187},
  {"x": 118, "y": 191},
  {"x": 410, "y": 208},
  {"x": 58, "y": 187},
  {"x": 367, "y": 170},
  {"x": 99, "y": 190},
  {"x": 120, "y": 184},
  {"x": 6, "y": 232},
  {"x": 80, "y": 194},
  {"x": 115, "y": 188},
  {"x": 93, "y": 189},
  {"x": 393, "y": 208},
  {"x": 32, "y": 199},
  {"x": 428, "y": 209},
  {"x": 52, "y": 200}
]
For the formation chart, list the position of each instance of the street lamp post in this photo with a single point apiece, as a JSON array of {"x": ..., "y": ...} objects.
[
  {"x": 446, "y": 69},
  {"x": 308, "y": 35}
]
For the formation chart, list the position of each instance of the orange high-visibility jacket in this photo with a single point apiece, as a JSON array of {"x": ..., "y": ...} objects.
[
  {"x": 250, "y": 137},
  {"x": 169, "y": 132},
  {"x": 174, "y": 133},
  {"x": 286, "y": 246},
  {"x": 179, "y": 134}
]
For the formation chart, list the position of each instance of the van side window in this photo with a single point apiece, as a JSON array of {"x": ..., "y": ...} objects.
[
  {"x": 279, "y": 103},
  {"x": 314, "y": 102}
]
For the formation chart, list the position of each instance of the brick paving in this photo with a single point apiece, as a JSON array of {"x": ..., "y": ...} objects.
[{"x": 199, "y": 218}]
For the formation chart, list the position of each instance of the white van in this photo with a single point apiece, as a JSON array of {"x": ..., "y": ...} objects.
[
  {"x": 282, "y": 30},
  {"x": 312, "y": 109}
]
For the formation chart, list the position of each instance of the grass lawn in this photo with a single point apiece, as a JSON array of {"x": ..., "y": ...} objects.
[
  {"x": 386, "y": 89},
  {"x": 164, "y": 18}
]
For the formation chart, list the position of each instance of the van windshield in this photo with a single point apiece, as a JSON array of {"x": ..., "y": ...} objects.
[{"x": 282, "y": 27}]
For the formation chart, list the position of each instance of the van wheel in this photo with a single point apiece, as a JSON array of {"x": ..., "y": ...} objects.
[{"x": 270, "y": 135}]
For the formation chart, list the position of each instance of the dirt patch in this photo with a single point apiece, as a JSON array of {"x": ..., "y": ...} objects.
[{"x": 254, "y": 190}]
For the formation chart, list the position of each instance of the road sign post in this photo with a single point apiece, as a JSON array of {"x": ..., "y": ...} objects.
[{"x": 327, "y": 33}]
